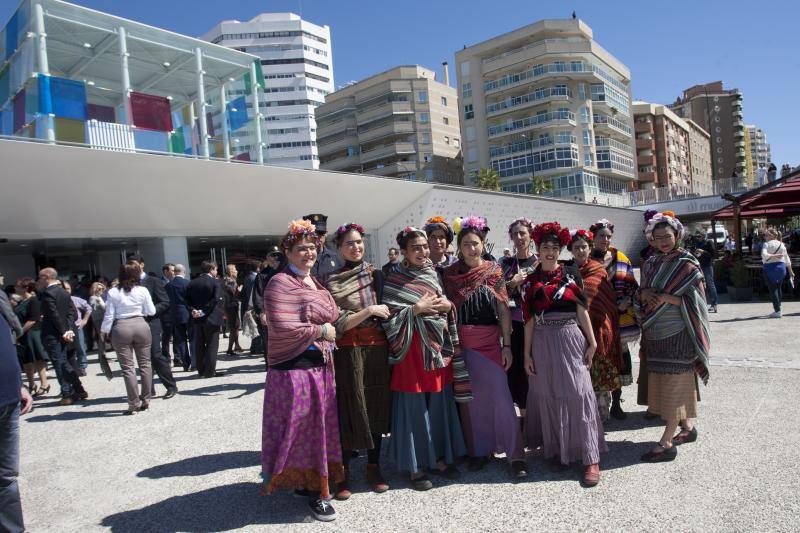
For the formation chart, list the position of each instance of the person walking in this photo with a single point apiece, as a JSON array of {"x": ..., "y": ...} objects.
[
  {"x": 98, "y": 303},
  {"x": 83, "y": 312},
  {"x": 58, "y": 333},
  {"x": 179, "y": 312},
  {"x": 231, "y": 289},
  {"x": 15, "y": 400},
  {"x": 160, "y": 361},
  {"x": 167, "y": 324},
  {"x": 704, "y": 251},
  {"x": 29, "y": 312},
  {"x": 777, "y": 264},
  {"x": 124, "y": 325},
  {"x": 205, "y": 303}
]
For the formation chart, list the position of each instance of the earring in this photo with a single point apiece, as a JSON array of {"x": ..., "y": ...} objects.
[{"x": 405, "y": 263}]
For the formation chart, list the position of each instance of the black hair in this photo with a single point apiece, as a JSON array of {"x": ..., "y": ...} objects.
[
  {"x": 338, "y": 238},
  {"x": 466, "y": 231},
  {"x": 403, "y": 238},
  {"x": 551, "y": 238},
  {"x": 207, "y": 266}
]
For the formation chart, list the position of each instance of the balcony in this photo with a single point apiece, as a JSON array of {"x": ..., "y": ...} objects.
[
  {"x": 542, "y": 96},
  {"x": 610, "y": 123},
  {"x": 326, "y": 129},
  {"x": 386, "y": 130},
  {"x": 646, "y": 160},
  {"x": 350, "y": 163},
  {"x": 645, "y": 144},
  {"x": 554, "y": 118},
  {"x": 379, "y": 112},
  {"x": 394, "y": 169},
  {"x": 739, "y": 133},
  {"x": 738, "y": 124},
  {"x": 647, "y": 176},
  {"x": 325, "y": 148},
  {"x": 643, "y": 127},
  {"x": 737, "y": 112},
  {"x": 382, "y": 152},
  {"x": 740, "y": 144}
]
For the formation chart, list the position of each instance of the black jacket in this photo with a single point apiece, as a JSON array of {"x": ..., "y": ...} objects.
[
  {"x": 205, "y": 294},
  {"x": 58, "y": 313},
  {"x": 258, "y": 288},
  {"x": 158, "y": 293},
  {"x": 176, "y": 290}
]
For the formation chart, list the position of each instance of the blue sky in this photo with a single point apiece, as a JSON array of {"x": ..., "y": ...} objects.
[{"x": 667, "y": 45}]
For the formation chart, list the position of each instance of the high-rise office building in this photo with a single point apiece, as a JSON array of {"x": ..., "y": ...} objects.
[
  {"x": 547, "y": 101},
  {"x": 400, "y": 123},
  {"x": 718, "y": 111},
  {"x": 297, "y": 64}
]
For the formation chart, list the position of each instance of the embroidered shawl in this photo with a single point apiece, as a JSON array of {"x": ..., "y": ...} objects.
[
  {"x": 602, "y": 305},
  {"x": 461, "y": 282},
  {"x": 353, "y": 290},
  {"x": 620, "y": 273},
  {"x": 295, "y": 315},
  {"x": 678, "y": 273},
  {"x": 543, "y": 289},
  {"x": 403, "y": 288}
]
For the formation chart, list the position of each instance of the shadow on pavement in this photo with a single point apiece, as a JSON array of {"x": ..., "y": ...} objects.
[
  {"x": 740, "y": 319},
  {"x": 211, "y": 390},
  {"x": 203, "y": 465},
  {"x": 635, "y": 420},
  {"x": 225, "y": 508},
  {"x": 76, "y": 415}
]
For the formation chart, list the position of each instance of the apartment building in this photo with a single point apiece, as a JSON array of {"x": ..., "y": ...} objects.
[
  {"x": 400, "y": 123},
  {"x": 759, "y": 149},
  {"x": 718, "y": 111},
  {"x": 700, "y": 159},
  {"x": 547, "y": 101},
  {"x": 297, "y": 65}
]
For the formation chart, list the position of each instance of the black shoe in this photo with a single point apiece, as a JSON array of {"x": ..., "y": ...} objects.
[
  {"x": 668, "y": 454},
  {"x": 321, "y": 510},
  {"x": 218, "y": 373},
  {"x": 684, "y": 437},
  {"x": 128, "y": 412},
  {"x": 650, "y": 416},
  {"x": 421, "y": 483},
  {"x": 450, "y": 472},
  {"x": 519, "y": 469},
  {"x": 144, "y": 407},
  {"x": 476, "y": 464},
  {"x": 170, "y": 393},
  {"x": 302, "y": 493},
  {"x": 617, "y": 412}
]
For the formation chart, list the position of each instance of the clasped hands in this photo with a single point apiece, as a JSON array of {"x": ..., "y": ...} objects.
[{"x": 432, "y": 305}]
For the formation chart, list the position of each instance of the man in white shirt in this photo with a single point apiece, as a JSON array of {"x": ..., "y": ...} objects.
[{"x": 730, "y": 246}]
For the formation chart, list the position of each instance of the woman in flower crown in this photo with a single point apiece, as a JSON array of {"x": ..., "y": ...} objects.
[
  {"x": 675, "y": 334},
  {"x": 440, "y": 236},
  {"x": 477, "y": 289},
  {"x": 559, "y": 347},
  {"x": 428, "y": 374},
  {"x": 361, "y": 358},
  {"x": 620, "y": 272},
  {"x": 602, "y": 306},
  {"x": 300, "y": 447},
  {"x": 515, "y": 270}
]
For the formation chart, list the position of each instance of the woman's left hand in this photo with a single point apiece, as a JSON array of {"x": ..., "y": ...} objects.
[
  {"x": 588, "y": 354},
  {"x": 508, "y": 357},
  {"x": 442, "y": 305}
]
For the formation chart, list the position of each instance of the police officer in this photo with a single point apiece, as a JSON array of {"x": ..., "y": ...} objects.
[{"x": 328, "y": 260}]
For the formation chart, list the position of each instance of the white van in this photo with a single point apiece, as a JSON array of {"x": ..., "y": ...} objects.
[{"x": 722, "y": 234}]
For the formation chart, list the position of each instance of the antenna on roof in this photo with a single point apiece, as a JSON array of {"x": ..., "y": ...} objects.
[{"x": 574, "y": 16}]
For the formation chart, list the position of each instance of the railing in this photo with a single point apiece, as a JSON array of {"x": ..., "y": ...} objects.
[
  {"x": 666, "y": 194},
  {"x": 612, "y": 122},
  {"x": 532, "y": 121},
  {"x": 535, "y": 96},
  {"x": 516, "y": 147}
]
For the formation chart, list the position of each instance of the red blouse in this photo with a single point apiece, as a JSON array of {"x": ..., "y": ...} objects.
[{"x": 410, "y": 375}]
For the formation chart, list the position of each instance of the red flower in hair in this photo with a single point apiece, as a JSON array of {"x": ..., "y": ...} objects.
[{"x": 551, "y": 228}]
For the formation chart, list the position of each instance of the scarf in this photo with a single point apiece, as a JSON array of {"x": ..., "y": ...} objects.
[
  {"x": 543, "y": 289},
  {"x": 295, "y": 315},
  {"x": 602, "y": 305},
  {"x": 620, "y": 274},
  {"x": 461, "y": 283},
  {"x": 353, "y": 290},
  {"x": 403, "y": 288},
  {"x": 678, "y": 273}
]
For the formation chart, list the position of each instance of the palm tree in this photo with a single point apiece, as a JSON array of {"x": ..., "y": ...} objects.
[
  {"x": 488, "y": 179},
  {"x": 540, "y": 186}
]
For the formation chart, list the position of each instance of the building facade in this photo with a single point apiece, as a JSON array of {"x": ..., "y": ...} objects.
[
  {"x": 662, "y": 148},
  {"x": 399, "y": 123},
  {"x": 700, "y": 159},
  {"x": 719, "y": 111},
  {"x": 760, "y": 152},
  {"x": 297, "y": 65},
  {"x": 547, "y": 104}
]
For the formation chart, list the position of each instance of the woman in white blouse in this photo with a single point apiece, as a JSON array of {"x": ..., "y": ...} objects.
[
  {"x": 776, "y": 264},
  {"x": 124, "y": 322}
]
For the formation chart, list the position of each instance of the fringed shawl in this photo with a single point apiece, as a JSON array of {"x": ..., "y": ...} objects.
[
  {"x": 620, "y": 273},
  {"x": 678, "y": 273},
  {"x": 353, "y": 290},
  {"x": 470, "y": 287},
  {"x": 295, "y": 315},
  {"x": 602, "y": 302},
  {"x": 439, "y": 334}
]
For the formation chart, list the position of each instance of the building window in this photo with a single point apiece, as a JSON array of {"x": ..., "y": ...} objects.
[
  {"x": 444, "y": 101},
  {"x": 466, "y": 90},
  {"x": 587, "y": 158},
  {"x": 424, "y": 118},
  {"x": 446, "y": 121},
  {"x": 426, "y": 138},
  {"x": 456, "y": 143},
  {"x": 584, "y": 115},
  {"x": 470, "y": 131},
  {"x": 582, "y": 91},
  {"x": 472, "y": 155},
  {"x": 428, "y": 174},
  {"x": 587, "y": 138},
  {"x": 422, "y": 97},
  {"x": 446, "y": 140},
  {"x": 468, "y": 112},
  {"x": 427, "y": 158},
  {"x": 464, "y": 68}
]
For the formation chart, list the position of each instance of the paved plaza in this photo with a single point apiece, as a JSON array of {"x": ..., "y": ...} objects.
[{"x": 192, "y": 463}]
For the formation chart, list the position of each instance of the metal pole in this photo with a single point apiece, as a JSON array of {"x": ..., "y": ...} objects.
[
  {"x": 226, "y": 137},
  {"x": 44, "y": 65},
  {"x": 258, "y": 115},
  {"x": 201, "y": 100},
  {"x": 126, "y": 77}
]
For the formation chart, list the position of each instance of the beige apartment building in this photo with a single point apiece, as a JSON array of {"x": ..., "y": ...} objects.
[
  {"x": 759, "y": 150},
  {"x": 400, "y": 123},
  {"x": 718, "y": 111},
  {"x": 700, "y": 159},
  {"x": 547, "y": 101},
  {"x": 664, "y": 146}
]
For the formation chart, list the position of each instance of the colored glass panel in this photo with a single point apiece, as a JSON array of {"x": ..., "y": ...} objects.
[
  {"x": 259, "y": 74},
  {"x": 100, "y": 113},
  {"x": 237, "y": 113},
  {"x": 12, "y": 35},
  {"x": 156, "y": 141},
  {"x": 5, "y": 88},
  {"x": 19, "y": 110},
  {"x": 248, "y": 84},
  {"x": 177, "y": 141},
  {"x": 151, "y": 112},
  {"x": 70, "y": 130},
  {"x": 69, "y": 98},
  {"x": 45, "y": 99}
]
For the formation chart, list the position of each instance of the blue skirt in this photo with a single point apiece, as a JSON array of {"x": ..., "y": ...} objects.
[{"x": 425, "y": 429}]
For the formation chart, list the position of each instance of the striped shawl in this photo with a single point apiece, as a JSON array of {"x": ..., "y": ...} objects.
[
  {"x": 403, "y": 288},
  {"x": 620, "y": 274},
  {"x": 602, "y": 311},
  {"x": 678, "y": 273},
  {"x": 353, "y": 290}
]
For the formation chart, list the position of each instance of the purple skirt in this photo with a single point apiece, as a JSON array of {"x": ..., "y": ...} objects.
[
  {"x": 300, "y": 433},
  {"x": 561, "y": 413}
]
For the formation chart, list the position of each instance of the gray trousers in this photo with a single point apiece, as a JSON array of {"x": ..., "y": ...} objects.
[{"x": 131, "y": 336}]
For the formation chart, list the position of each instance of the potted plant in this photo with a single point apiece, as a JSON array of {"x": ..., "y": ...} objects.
[{"x": 740, "y": 288}]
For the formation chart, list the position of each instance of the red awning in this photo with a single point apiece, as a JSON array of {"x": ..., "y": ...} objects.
[{"x": 781, "y": 198}]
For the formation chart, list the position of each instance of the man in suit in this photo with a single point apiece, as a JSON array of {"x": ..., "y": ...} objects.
[
  {"x": 167, "y": 329},
  {"x": 58, "y": 333},
  {"x": 393, "y": 263},
  {"x": 328, "y": 260},
  {"x": 205, "y": 303},
  {"x": 160, "y": 361},
  {"x": 176, "y": 289}
]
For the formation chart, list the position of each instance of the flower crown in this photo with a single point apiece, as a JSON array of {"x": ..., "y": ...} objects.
[
  {"x": 298, "y": 230},
  {"x": 576, "y": 234},
  {"x": 410, "y": 229},
  {"x": 436, "y": 220},
  {"x": 603, "y": 223},
  {"x": 522, "y": 220},
  {"x": 344, "y": 228},
  {"x": 472, "y": 222},
  {"x": 551, "y": 228},
  {"x": 649, "y": 214},
  {"x": 667, "y": 217}
]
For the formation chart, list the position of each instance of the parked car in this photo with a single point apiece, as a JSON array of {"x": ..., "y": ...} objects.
[{"x": 722, "y": 235}]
